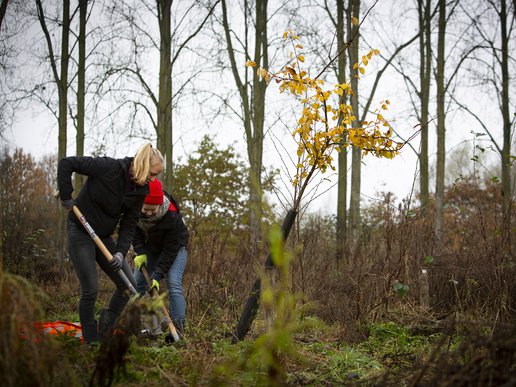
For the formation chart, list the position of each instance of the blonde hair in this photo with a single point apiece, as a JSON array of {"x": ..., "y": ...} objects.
[{"x": 145, "y": 158}]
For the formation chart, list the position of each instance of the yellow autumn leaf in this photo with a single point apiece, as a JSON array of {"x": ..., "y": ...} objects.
[
  {"x": 250, "y": 63},
  {"x": 361, "y": 69},
  {"x": 291, "y": 70},
  {"x": 301, "y": 58},
  {"x": 354, "y": 21}
]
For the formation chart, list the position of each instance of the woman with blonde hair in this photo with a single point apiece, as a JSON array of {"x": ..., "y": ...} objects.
[{"x": 112, "y": 196}]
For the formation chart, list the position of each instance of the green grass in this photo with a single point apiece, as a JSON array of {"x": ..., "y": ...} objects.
[
  {"x": 219, "y": 362},
  {"x": 394, "y": 346},
  {"x": 317, "y": 354}
]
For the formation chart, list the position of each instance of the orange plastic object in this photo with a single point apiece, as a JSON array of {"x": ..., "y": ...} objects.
[{"x": 56, "y": 328}]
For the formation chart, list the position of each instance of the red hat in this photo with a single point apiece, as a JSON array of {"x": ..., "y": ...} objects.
[{"x": 155, "y": 195}]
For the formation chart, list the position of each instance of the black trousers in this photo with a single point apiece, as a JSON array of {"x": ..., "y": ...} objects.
[{"x": 84, "y": 254}]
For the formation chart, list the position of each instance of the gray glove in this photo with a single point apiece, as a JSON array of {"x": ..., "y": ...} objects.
[
  {"x": 68, "y": 204},
  {"x": 116, "y": 262}
]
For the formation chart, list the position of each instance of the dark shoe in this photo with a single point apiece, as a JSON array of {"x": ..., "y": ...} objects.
[{"x": 90, "y": 333}]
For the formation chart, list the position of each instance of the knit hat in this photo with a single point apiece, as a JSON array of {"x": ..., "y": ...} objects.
[{"x": 155, "y": 195}]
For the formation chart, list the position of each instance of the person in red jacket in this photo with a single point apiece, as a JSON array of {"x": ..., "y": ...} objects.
[
  {"x": 160, "y": 243},
  {"x": 112, "y": 196}
]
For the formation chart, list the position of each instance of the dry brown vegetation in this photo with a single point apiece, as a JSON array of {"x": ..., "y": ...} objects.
[{"x": 469, "y": 290}]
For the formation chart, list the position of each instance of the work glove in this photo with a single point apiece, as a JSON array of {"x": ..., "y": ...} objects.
[
  {"x": 116, "y": 262},
  {"x": 154, "y": 285},
  {"x": 68, "y": 204},
  {"x": 140, "y": 260}
]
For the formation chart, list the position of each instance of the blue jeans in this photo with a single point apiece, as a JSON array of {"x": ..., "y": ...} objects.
[
  {"x": 174, "y": 279},
  {"x": 84, "y": 254}
]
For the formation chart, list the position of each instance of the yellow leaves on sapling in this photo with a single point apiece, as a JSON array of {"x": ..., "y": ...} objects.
[
  {"x": 263, "y": 74},
  {"x": 324, "y": 127},
  {"x": 364, "y": 62}
]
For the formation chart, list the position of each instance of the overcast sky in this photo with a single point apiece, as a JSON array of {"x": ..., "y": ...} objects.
[{"x": 35, "y": 130}]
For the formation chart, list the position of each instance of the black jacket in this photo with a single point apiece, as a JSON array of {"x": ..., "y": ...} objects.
[
  {"x": 163, "y": 240},
  {"x": 108, "y": 197}
]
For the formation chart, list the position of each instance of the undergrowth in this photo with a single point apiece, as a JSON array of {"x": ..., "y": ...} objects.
[{"x": 368, "y": 317}]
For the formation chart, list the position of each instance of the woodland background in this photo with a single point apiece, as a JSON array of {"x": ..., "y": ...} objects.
[{"x": 412, "y": 284}]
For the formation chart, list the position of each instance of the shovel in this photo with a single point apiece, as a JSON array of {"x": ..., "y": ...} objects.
[
  {"x": 173, "y": 336},
  {"x": 173, "y": 332},
  {"x": 102, "y": 248},
  {"x": 100, "y": 245}
]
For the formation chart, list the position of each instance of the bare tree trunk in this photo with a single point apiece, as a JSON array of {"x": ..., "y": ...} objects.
[
  {"x": 342, "y": 185},
  {"x": 258, "y": 109},
  {"x": 356, "y": 156},
  {"x": 425, "y": 63},
  {"x": 3, "y": 10},
  {"x": 253, "y": 104},
  {"x": 81, "y": 89},
  {"x": 164, "y": 122},
  {"x": 506, "y": 150},
  {"x": 162, "y": 99},
  {"x": 62, "y": 88},
  {"x": 441, "y": 129},
  {"x": 63, "y": 109},
  {"x": 63, "y": 81}
]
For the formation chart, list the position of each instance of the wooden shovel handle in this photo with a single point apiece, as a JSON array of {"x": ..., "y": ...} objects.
[{"x": 99, "y": 244}]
